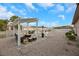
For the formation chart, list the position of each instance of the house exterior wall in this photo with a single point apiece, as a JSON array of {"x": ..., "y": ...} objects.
[
  {"x": 76, "y": 25},
  {"x": 31, "y": 28}
]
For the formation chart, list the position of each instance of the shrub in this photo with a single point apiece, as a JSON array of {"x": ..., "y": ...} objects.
[
  {"x": 31, "y": 32},
  {"x": 71, "y": 35}
]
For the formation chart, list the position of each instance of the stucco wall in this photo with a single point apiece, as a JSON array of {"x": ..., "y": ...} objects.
[{"x": 77, "y": 27}]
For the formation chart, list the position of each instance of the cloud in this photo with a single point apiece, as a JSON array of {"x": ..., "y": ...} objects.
[
  {"x": 46, "y": 5},
  {"x": 2, "y": 9},
  {"x": 30, "y": 6},
  {"x": 70, "y": 7},
  {"x": 14, "y": 8},
  {"x": 4, "y": 14},
  {"x": 59, "y": 7},
  {"x": 49, "y": 24},
  {"x": 55, "y": 24},
  {"x": 61, "y": 16},
  {"x": 20, "y": 11}
]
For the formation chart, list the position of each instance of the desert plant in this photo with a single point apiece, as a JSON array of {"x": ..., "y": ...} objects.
[{"x": 71, "y": 35}]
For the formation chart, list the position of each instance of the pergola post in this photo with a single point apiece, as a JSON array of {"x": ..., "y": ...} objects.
[
  {"x": 19, "y": 34},
  {"x": 27, "y": 27},
  {"x": 37, "y": 29}
]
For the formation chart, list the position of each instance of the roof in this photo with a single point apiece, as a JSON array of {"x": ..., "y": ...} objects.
[
  {"x": 22, "y": 20},
  {"x": 76, "y": 15}
]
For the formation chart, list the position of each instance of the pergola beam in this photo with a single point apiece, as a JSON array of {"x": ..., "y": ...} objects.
[{"x": 22, "y": 20}]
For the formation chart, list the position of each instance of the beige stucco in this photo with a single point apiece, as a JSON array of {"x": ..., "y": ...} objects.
[
  {"x": 75, "y": 21},
  {"x": 31, "y": 28},
  {"x": 76, "y": 27}
]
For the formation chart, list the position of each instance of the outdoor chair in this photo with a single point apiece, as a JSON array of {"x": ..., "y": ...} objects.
[
  {"x": 32, "y": 38},
  {"x": 25, "y": 37},
  {"x": 16, "y": 37}
]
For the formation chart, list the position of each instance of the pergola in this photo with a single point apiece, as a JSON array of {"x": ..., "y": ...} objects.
[{"x": 23, "y": 20}]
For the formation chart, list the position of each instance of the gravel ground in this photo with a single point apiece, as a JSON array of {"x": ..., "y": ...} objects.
[{"x": 55, "y": 44}]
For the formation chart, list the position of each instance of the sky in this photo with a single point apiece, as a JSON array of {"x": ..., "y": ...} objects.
[{"x": 48, "y": 14}]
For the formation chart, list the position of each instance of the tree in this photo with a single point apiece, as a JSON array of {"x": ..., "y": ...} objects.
[
  {"x": 3, "y": 25},
  {"x": 13, "y": 18}
]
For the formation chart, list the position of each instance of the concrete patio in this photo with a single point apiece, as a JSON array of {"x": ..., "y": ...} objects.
[{"x": 54, "y": 45}]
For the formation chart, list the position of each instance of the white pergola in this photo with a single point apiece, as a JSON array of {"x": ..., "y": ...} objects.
[{"x": 23, "y": 20}]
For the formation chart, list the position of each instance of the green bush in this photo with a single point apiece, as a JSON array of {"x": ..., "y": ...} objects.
[
  {"x": 31, "y": 32},
  {"x": 71, "y": 35}
]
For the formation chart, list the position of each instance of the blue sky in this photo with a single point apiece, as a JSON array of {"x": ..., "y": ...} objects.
[{"x": 49, "y": 14}]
